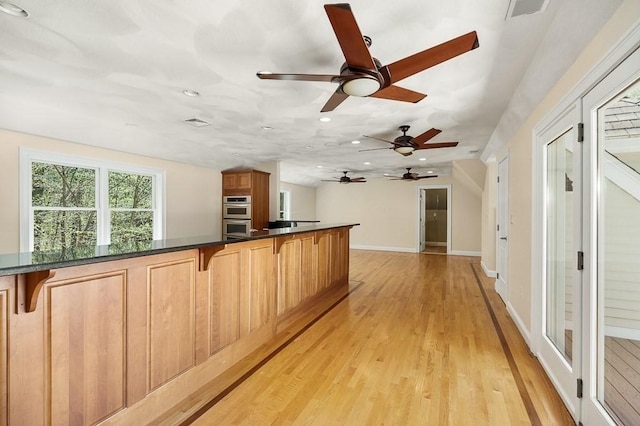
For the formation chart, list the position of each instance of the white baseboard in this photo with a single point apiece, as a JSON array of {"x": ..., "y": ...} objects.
[
  {"x": 464, "y": 253},
  {"x": 488, "y": 273},
  {"x": 381, "y": 248},
  {"x": 518, "y": 321}
]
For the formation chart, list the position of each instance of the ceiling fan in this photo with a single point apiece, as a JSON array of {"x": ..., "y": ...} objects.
[
  {"x": 346, "y": 179},
  {"x": 413, "y": 176},
  {"x": 406, "y": 144},
  {"x": 363, "y": 75}
]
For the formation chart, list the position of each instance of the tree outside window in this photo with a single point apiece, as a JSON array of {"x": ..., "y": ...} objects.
[{"x": 84, "y": 205}]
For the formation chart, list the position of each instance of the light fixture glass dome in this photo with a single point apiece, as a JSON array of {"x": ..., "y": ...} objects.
[
  {"x": 362, "y": 86},
  {"x": 404, "y": 149}
]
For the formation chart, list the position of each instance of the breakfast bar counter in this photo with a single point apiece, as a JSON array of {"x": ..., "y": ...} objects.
[{"x": 134, "y": 335}]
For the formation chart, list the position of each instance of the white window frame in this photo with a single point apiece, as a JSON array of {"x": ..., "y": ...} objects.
[{"x": 102, "y": 167}]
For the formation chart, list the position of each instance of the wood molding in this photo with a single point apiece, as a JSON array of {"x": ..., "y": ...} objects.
[
  {"x": 35, "y": 280},
  {"x": 279, "y": 241},
  {"x": 206, "y": 253}
]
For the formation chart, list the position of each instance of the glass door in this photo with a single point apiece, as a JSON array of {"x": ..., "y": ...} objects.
[
  {"x": 612, "y": 314},
  {"x": 561, "y": 331}
]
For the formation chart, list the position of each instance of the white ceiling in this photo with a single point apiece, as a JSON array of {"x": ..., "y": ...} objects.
[{"x": 111, "y": 73}]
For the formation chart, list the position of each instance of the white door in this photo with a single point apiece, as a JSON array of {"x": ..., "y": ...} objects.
[
  {"x": 559, "y": 197},
  {"x": 502, "y": 233},
  {"x": 612, "y": 250},
  {"x": 423, "y": 222}
]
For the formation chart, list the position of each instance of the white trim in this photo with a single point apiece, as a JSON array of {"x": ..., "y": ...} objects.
[
  {"x": 487, "y": 272},
  {"x": 464, "y": 253},
  {"x": 621, "y": 332},
  {"x": 622, "y": 175},
  {"x": 28, "y": 155},
  {"x": 381, "y": 248},
  {"x": 526, "y": 334}
]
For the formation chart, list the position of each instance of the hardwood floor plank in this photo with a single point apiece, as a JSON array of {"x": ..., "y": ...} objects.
[{"x": 414, "y": 344}]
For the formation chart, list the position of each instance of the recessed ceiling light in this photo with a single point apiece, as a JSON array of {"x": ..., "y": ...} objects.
[
  {"x": 267, "y": 128},
  {"x": 236, "y": 154},
  {"x": 192, "y": 93},
  {"x": 13, "y": 10},
  {"x": 430, "y": 172},
  {"x": 422, "y": 159},
  {"x": 319, "y": 167},
  {"x": 325, "y": 119},
  {"x": 366, "y": 163},
  {"x": 309, "y": 147},
  {"x": 386, "y": 174},
  {"x": 355, "y": 142}
]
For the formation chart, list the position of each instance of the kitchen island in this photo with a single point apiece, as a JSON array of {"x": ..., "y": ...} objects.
[{"x": 134, "y": 335}]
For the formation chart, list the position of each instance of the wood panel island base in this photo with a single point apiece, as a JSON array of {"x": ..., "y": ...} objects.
[{"x": 151, "y": 338}]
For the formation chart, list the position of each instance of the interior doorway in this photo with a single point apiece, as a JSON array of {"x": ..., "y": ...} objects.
[{"x": 435, "y": 219}]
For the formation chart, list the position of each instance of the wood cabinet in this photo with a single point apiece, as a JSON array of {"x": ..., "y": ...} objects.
[
  {"x": 236, "y": 183},
  {"x": 254, "y": 183},
  {"x": 123, "y": 341}
]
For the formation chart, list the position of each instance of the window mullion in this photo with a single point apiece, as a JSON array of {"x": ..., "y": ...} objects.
[{"x": 102, "y": 206}]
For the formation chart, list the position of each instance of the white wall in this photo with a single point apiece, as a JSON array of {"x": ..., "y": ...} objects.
[
  {"x": 302, "y": 200},
  {"x": 193, "y": 205},
  {"x": 387, "y": 211}
]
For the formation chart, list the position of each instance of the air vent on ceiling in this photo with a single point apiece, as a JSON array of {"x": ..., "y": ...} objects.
[
  {"x": 525, "y": 7},
  {"x": 196, "y": 122}
]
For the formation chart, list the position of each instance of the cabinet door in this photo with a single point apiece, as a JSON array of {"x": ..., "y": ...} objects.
[
  {"x": 243, "y": 181},
  {"x": 229, "y": 181}
]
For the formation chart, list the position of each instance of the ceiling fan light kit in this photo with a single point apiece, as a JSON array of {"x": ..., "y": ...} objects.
[
  {"x": 362, "y": 75},
  {"x": 404, "y": 150},
  {"x": 361, "y": 86},
  {"x": 406, "y": 145}
]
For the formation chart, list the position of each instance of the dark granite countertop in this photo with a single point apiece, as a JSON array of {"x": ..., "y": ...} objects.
[{"x": 19, "y": 263}]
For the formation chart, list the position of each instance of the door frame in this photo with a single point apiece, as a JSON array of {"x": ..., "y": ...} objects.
[
  {"x": 502, "y": 289},
  {"x": 623, "y": 75},
  {"x": 421, "y": 213},
  {"x": 562, "y": 375}
]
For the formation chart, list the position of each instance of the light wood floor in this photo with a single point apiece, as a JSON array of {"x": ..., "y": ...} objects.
[{"x": 413, "y": 344}]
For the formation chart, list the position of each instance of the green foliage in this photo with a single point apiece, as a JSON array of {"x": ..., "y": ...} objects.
[
  {"x": 130, "y": 191},
  {"x": 128, "y": 227},
  {"x": 61, "y": 229},
  {"x": 65, "y": 207},
  {"x": 54, "y": 185}
]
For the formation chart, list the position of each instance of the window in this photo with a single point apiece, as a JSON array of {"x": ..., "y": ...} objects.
[
  {"x": 75, "y": 202},
  {"x": 285, "y": 209}
]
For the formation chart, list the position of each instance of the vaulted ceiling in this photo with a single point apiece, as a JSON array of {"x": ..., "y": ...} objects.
[{"x": 113, "y": 74}]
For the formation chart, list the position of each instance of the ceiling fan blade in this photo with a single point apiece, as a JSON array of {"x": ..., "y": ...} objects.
[
  {"x": 336, "y": 99},
  {"x": 329, "y": 180},
  {"x": 396, "y": 93},
  {"x": 373, "y": 149},
  {"x": 438, "y": 145},
  {"x": 378, "y": 139},
  {"x": 426, "y": 177},
  {"x": 427, "y": 58},
  {"x": 358, "y": 179},
  {"x": 431, "y": 133},
  {"x": 298, "y": 77},
  {"x": 349, "y": 36}
]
